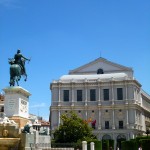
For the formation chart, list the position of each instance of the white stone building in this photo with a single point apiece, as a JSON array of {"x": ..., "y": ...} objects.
[{"x": 106, "y": 94}]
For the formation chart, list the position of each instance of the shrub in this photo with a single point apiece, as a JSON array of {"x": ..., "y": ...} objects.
[
  {"x": 98, "y": 144},
  {"x": 129, "y": 145},
  {"x": 145, "y": 144},
  {"x": 105, "y": 144}
]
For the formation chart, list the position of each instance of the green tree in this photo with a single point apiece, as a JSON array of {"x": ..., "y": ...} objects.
[{"x": 72, "y": 129}]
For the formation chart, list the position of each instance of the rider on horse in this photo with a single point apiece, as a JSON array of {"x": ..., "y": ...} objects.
[
  {"x": 19, "y": 60},
  {"x": 17, "y": 68}
]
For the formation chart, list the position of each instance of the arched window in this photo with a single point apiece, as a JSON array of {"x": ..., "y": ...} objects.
[
  {"x": 121, "y": 137},
  {"x": 106, "y": 137},
  {"x": 100, "y": 71}
]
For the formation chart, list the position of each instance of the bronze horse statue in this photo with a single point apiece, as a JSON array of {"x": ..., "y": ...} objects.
[{"x": 16, "y": 71}]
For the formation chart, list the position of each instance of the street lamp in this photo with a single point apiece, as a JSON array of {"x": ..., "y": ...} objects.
[
  {"x": 147, "y": 132},
  {"x": 64, "y": 136}
]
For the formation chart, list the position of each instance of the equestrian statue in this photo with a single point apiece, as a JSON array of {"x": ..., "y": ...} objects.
[{"x": 17, "y": 68}]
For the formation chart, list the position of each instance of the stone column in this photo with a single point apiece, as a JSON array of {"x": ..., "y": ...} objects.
[
  {"x": 72, "y": 93},
  {"x": 58, "y": 117},
  {"x": 113, "y": 119},
  {"x": 134, "y": 90},
  {"x": 85, "y": 92},
  {"x": 135, "y": 116},
  {"x": 86, "y": 114},
  {"x": 99, "y": 117},
  {"x": 132, "y": 135},
  {"x": 136, "y": 95},
  {"x": 143, "y": 122},
  {"x": 112, "y": 92},
  {"x": 99, "y": 92},
  {"x": 59, "y": 94},
  {"x": 126, "y": 94},
  {"x": 127, "y": 114}
]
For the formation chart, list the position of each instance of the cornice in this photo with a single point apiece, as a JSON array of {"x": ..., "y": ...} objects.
[
  {"x": 94, "y": 83},
  {"x": 16, "y": 89}
]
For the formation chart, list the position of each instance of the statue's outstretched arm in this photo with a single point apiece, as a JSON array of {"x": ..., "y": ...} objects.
[{"x": 25, "y": 58}]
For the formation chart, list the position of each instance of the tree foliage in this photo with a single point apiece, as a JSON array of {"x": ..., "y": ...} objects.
[{"x": 72, "y": 129}]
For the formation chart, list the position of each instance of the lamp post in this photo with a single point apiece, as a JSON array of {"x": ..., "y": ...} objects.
[
  {"x": 147, "y": 132},
  {"x": 64, "y": 136}
]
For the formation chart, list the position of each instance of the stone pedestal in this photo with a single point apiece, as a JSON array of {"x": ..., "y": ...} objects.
[
  {"x": 19, "y": 120},
  {"x": 16, "y": 104},
  {"x": 26, "y": 141}
]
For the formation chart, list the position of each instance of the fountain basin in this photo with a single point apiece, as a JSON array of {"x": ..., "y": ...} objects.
[{"x": 7, "y": 143}]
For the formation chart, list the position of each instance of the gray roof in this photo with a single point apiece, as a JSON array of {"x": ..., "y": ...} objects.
[{"x": 94, "y": 76}]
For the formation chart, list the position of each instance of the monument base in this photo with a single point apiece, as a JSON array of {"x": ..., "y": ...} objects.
[
  {"x": 19, "y": 120},
  {"x": 16, "y": 104}
]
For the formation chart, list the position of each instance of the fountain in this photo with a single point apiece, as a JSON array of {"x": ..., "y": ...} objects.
[
  {"x": 9, "y": 134},
  {"x": 7, "y": 143},
  {"x": 15, "y": 138}
]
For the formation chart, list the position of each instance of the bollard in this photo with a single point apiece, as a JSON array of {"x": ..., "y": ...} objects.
[
  {"x": 84, "y": 145},
  {"x": 92, "y": 146}
]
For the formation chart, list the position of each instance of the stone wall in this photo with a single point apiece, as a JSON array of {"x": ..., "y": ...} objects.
[{"x": 34, "y": 141}]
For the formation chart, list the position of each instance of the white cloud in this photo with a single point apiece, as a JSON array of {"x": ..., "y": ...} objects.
[{"x": 38, "y": 105}]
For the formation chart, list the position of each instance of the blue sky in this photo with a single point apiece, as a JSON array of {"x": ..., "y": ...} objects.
[{"x": 61, "y": 35}]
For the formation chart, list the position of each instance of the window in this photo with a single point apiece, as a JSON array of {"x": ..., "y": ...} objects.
[
  {"x": 120, "y": 124},
  {"x": 119, "y": 94},
  {"x": 106, "y": 124},
  {"x": 92, "y": 95},
  {"x": 2, "y": 109},
  {"x": 79, "y": 95},
  {"x": 66, "y": 95},
  {"x": 100, "y": 71},
  {"x": 106, "y": 94}
]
